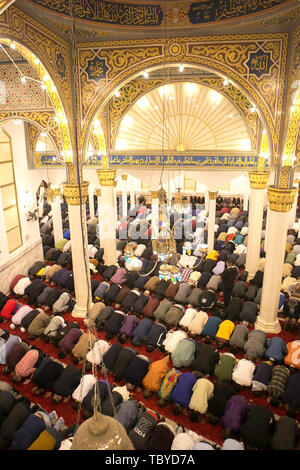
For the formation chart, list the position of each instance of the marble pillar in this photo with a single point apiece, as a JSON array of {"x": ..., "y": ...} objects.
[
  {"x": 107, "y": 215},
  {"x": 211, "y": 219},
  {"x": 258, "y": 183},
  {"x": 56, "y": 216},
  {"x": 280, "y": 204},
  {"x": 79, "y": 243},
  {"x": 155, "y": 214},
  {"x": 124, "y": 197},
  {"x": 98, "y": 194}
]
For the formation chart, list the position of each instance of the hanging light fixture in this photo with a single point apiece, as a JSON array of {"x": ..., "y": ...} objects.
[{"x": 178, "y": 201}]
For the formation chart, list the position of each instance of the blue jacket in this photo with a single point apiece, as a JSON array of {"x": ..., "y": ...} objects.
[
  {"x": 276, "y": 349},
  {"x": 211, "y": 327},
  {"x": 184, "y": 389},
  {"x": 28, "y": 433},
  {"x": 67, "y": 234},
  {"x": 140, "y": 332}
]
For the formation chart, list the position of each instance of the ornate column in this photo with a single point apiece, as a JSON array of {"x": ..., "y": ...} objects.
[
  {"x": 258, "y": 183},
  {"x": 98, "y": 194},
  {"x": 56, "y": 215},
  {"x": 107, "y": 209},
  {"x": 155, "y": 214},
  {"x": 124, "y": 197},
  {"x": 132, "y": 199},
  {"x": 280, "y": 203},
  {"x": 79, "y": 242},
  {"x": 91, "y": 204},
  {"x": 211, "y": 219},
  {"x": 245, "y": 201},
  {"x": 206, "y": 201}
]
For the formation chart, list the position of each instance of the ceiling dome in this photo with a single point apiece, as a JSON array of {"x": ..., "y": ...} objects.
[{"x": 183, "y": 116}]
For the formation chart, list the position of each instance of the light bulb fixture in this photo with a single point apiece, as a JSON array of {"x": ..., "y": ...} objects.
[
  {"x": 146, "y": 74},
  {"x": 36, "y": 61},
  {"x": 252, "y": 109},
  {"x": 117, "y": 93},
  {"x": 23, "y": 79},
  {"x": 226, "y": 82},
  {"x": 43, "y": 86},
  {"x": 12, "y": 45},
  {"x": 181, "y": 68}
]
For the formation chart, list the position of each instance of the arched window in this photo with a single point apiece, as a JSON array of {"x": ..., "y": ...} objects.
[{"x": 9, "y": 194}]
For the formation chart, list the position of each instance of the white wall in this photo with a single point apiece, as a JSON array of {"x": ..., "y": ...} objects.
[{"x": 21, "y": 259}]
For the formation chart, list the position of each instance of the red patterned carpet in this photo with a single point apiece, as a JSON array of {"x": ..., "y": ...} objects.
[{"x": 208, "y": 431}]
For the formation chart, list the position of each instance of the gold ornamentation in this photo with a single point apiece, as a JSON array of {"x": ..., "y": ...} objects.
[
  {"x": 154, "y": 194},
  {"x": 281, "y": 200},
  {"x": 224, "y": 55},
  {"x": 124, "y": 177},
  {"x": 72, "y": 193},
  {"x": 132, "y": 91},
  {"x": 213, "y": 195},
  {"x": 98, "y": 192},
  {"x": 284, "y": 176},
  {"x": 106, "y": 177},
  {"x": 290, "y": 144},
  {"x": 258, "y": 180},
  {"x": 5, "y": 4},
  {"x": 30, "y": 36}
]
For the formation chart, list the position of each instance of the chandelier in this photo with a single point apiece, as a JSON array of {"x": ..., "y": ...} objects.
[{"x": 178, "y": 201}]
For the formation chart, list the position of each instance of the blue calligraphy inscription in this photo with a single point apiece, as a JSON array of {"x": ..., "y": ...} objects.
[
  {"x": 96, "y": 69},
  {"x": 116, "y": 13},
  {"x": 259, "y": 63},
  {"x": 146, "y": 161},
  {"x": 208, "y": 11},
  {"x": 177, "y": 160},
  {"x": 61, "y": 65}
]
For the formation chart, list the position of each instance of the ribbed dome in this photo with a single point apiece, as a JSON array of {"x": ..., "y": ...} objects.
[{"x": 183, "y": 116}]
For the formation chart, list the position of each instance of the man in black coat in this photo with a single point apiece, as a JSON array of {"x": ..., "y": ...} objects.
[{"x": 228, "y": 277}]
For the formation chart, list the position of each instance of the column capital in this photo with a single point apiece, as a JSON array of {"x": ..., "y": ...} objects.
[
  {"x": 154, "y": 194},
  {"x": 72, "y": 193},
  {"x": 98, "y": 192},
  {"x": 281, "y": 200},
  {"x": 258, "y": 179},
  {"x": 106, "y": 177},
  {"x": 213, "y": 195}
]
